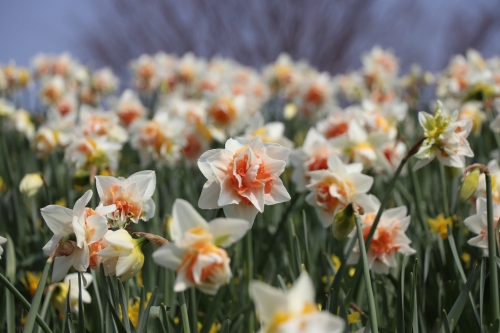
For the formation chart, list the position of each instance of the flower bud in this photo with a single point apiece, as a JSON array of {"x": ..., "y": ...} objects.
[
  {"x": 30, "y": 184},
  {"x": 344, "y": 220},
  {"x": 469, "y": 185}
]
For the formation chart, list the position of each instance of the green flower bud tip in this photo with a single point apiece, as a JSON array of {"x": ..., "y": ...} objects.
[
  {"x": 469, "y": 185},
  {"x": 344, "y": 221}
]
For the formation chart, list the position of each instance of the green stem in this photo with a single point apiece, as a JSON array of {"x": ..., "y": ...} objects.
[
  {"x": 25, "y": 304},
  {"x": 35, "y": 304},
  {"x": 249, "y": 262},
  {"x": 193, "y": 310},
  {"x": 184, "y": 313},
  {"x": 356, "y": 278},
  {"x": 444, "y": 188},
  {"x": 492, "y": 251},
  {"x": 366, "y": 272}
]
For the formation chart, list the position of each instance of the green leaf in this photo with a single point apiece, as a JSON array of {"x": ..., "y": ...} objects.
[
  {"x": 457, "y": 308},
  {"x": 212, "y": 311},
  {"x": 11, "y": 313},
  {"x": 106, "y": 287},
  {"x": 462, "y": 274},
  {"x": 444, "y": 320},
  {"x": 35, "y": 304},
  {"x": 124, "y": 305},
  {"x": 143, "y": 322},
  {"x": 81, "y": 317},
  {"x": 10, "y": 269}
]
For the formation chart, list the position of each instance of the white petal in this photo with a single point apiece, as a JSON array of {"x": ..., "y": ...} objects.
[
  {"x": 58, "y": 219},
  {"x": 301, "y": 292},
  {"x": 168, "y": 256},
  {"x": 146, "y": 183},
  {"x": 227, "y": 231},
  {"x": 100, "y": 226},
  {"x": 209, "y": 195},
  {"x": 62, "y": 266},
  {"x": 185, "y": 217},
  {"x": 267, "y": 300},
  {"x": 241, "y": 211},
  {"x": 80, "y": 204}
]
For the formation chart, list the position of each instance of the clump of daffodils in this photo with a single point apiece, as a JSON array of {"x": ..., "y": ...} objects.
[
  {"x": 82, "y": 236},
  {"x": 445, "y": 139}
]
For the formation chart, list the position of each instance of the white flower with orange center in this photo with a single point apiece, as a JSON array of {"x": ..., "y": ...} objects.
[
  {"x": 129, "y": 108},
  {"x": 478, "y": 224},
  {"x": 196, "y": 254},
  {"x": 52, "y": 90},
  {"x": 159, "y": 139},
  {"x": 98, "y": 123},
  {"x": 105, "y": 81},
  {"x": 294, "y": 311},
  {"x": 336, "y": 187},
  {"x": 132, "y": 197},
  {"x": 226, "y": 116},
  {"x": 45, "y": 141},
  {"x": 88, "y": 227},
  {"x": 312, "y": 156},
  {"x": 270, "y": 132},
  {"x": 388, "y": 240},
  {"x": 145, "y": 70},
  {"x": 20, "y": 121},
  {"x": 85, "y": 152},
  {"x": 243, "y": 177}
]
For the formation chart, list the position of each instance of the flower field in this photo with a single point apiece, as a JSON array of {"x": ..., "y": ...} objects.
[{"x": 207, "y": 196}]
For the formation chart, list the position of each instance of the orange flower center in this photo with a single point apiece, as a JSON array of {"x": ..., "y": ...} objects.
[
  {"x": 223, "y": 111},
  {"x": 262, "y": 177}
]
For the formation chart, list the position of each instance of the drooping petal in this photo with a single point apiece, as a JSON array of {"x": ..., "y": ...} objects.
[
  {"x": 242, "y": 211},
  {"x": 169, "y": 256}
]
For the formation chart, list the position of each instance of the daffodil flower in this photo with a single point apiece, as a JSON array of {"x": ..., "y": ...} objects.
[
  {"x": 87, "y": 225},
  {"x": 195, "y": 253},
  {"x": 336, "y": 187},
  {"x": 243, "y": 177},
  {"x": 478, "y": 224},
  {"x": 389, "y": 238},
  {"x": 292, "y": 312},
  {"x": 445, "y": 139},
  {"x": 70, "y": 283},
  {"x": 123, "y": 256},
  {"x": 131, "y": 196}
]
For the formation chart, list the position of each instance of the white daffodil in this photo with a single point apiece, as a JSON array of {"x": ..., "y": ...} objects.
[
  {"x": 87, "y": 225},
  {"x": 389, "y": 238},
  {"x": 445, "y": 138},
  {"x": 159, "y": 139},
  {"x": 478, "y": 224},
  {"x": 123, "y": 256},
  {"x": 70, "y": 283},
  {"x": 270, "y": 132},
  {"x": 312, "y": 156},
  {"x": 243, "y": 177},
  {"x": 336, "y": 187},
  {"x": 30, "y": 184},
  {"x": 129, "y": 108},
  {"x": 131, "y": 196},
  {"x": 86, "y": 151},
  {"x": 292, "y": 312},
  {"x": 97, "y": 123},
  {"x": 3, "y": 240},
  {"x": 195, "y": 253}
]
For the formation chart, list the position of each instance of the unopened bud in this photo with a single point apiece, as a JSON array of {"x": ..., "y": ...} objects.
[
  {"x": 30, "y": 184},
  {"x": 469, "y": 185},
  {"x": 344, "y": 221}
]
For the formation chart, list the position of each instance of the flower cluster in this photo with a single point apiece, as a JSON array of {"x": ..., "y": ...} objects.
[{"x": 82, "y": 238}]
